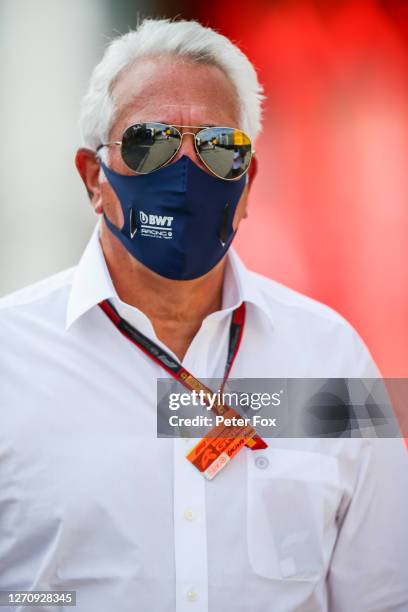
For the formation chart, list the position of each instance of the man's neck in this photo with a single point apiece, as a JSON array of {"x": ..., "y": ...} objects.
[{"x": 176, "y": 309}]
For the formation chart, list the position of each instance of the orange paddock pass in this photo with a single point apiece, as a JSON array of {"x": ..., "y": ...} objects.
[{"x": 220, "y": 445}]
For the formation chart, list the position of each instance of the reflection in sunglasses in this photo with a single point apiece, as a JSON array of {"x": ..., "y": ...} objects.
[{"x": 226, "y": 152}]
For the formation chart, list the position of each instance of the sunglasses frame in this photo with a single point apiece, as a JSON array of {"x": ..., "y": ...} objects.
[{"x": 200, "y": 128}]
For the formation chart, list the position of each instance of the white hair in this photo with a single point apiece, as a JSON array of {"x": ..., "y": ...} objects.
[{"x": 186, "y": 39}]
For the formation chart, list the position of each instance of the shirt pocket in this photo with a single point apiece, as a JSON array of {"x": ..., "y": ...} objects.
[{"x": 292, "y": 499}]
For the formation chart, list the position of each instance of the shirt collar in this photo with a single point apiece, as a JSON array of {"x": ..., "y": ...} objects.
[
  {"x": 241, "y": 285},
  {"x": 92, "y": 284}
]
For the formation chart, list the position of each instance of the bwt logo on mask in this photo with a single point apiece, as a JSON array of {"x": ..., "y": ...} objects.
[
  {"x": 156, "y": 226},
  {"x": 157, "y": 220}
]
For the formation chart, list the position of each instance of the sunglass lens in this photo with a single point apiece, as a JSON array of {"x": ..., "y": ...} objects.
[
  {"x": 148, "y": 146},
  {"x": 225, "y": 151}
]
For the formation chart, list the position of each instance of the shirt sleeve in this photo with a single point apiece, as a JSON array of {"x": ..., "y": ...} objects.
[{"x": 369, "y": 567}]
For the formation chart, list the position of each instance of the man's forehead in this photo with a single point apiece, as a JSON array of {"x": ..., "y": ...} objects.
[
  {"x": 192, "y": 114},
  {"x": 152, "y": 92},
  {"x": 151, "y": 71}
]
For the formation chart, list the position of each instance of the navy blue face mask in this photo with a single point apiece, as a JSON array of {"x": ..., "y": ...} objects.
[{"x": 178, "y": 219}]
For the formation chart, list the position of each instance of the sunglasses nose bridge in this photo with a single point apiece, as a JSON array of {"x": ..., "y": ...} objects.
[
  {"x": 182, "y": 134},
  {"x": 189, "y": 149}
]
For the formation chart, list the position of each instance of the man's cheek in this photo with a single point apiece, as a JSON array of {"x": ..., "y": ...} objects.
[{"x": 110, "y": 204}]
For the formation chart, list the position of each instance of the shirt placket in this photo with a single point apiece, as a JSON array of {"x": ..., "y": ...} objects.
[
  {"x": 190, "y": 532},
  {"x": 190, "y": 520}
]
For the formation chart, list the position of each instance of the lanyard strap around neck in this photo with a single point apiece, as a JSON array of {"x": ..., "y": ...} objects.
[
  {"x": 167, "y": 361},
  {"x": 174, "y": 368}
]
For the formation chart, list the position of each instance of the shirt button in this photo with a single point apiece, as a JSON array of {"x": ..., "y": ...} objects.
[
  {"x": 261, "y": 462},
  {"x": 188, "y": 514},
  {"x": 192, "y": 595}
]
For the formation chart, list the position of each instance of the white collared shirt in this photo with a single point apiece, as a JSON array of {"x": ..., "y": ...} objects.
[{"x": 91, "y": 500}]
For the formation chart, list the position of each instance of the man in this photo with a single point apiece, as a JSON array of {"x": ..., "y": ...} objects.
[{"x": 91, "y": 500}]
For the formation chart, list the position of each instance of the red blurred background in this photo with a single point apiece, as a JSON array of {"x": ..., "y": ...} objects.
[{"x": 329, "y": 211}]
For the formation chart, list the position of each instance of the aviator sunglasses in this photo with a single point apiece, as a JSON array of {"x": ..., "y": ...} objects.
[{"x": 226, "y": 152}]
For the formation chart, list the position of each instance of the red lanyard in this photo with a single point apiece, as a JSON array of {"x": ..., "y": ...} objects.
[
  {"x": 205, "y": 454},
  {"x": 162, "y": 357}
]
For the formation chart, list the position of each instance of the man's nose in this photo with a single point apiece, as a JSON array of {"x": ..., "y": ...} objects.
[{"x": 187, "y": 147}]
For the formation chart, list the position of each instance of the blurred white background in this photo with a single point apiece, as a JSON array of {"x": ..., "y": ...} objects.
[{"x": 48, "y": 51}]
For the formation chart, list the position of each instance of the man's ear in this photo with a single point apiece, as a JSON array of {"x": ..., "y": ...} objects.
[
  {"x": 88, "y": 167},
  {"x": 253, "y": 170}
]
